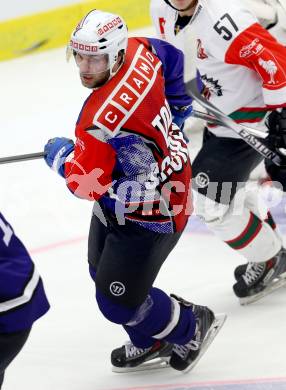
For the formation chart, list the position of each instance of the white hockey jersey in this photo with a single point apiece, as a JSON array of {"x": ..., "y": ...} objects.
[{"x": 242, "y": 66}]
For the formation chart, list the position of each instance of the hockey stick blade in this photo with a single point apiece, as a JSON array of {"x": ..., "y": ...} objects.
[
  {"x": 21, "y": 157},
  {"x": 190, "y": 79}
]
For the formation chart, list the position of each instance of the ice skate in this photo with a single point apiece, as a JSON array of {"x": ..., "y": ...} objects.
[
  {"x": 260, "y": 279},
  {"x": 239, "y": 271},
  {"x": 185, "y": 357},
  {"x": 129, "y": 358}
]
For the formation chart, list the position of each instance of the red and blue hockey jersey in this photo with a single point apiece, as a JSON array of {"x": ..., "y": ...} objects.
[{"x": 127, "y": 150}]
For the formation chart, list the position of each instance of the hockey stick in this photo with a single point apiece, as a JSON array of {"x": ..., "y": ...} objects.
[
  {"x": 212, "y": 119},
  {"x": 190, "y": 76},
  {"x": 21, "y": 157}
]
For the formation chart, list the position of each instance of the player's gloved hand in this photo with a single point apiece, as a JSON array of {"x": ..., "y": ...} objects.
[
  {"x": 276, "y": 173},
  {"x": 56, "y": 150},
  {"x": 180, "y": 114},
  {"x": 276, "y": 124}
]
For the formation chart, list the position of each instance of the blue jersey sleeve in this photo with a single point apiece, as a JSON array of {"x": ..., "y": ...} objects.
[{"x": 173, "y": 68}]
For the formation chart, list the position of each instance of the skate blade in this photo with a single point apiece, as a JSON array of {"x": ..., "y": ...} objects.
[
  {"x": 210, "y": 336},
  {"x": 162, "y": 362},
  {"x": 275, "y": 284}
]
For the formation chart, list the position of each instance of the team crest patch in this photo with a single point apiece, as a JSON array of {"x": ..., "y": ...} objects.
[
  {"x": 201, "y": 51},
  {"x": 202, "y": 180},
  {"x": 255, "y": 47},
  {"x": 117, "y": 288},
  {"x": 211, "y": 86},
  {"x": 270, "y": 68}
]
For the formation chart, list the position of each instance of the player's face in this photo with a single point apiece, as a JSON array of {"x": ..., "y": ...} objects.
[
  {"x": 93, "y": 70},
  {"x": 183, "y": 5}
]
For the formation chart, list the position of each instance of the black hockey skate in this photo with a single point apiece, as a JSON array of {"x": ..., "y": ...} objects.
[
  {"x": 185, "y": 357},
  {"x": 239, "y": 271},
  {"x": 260, "y": 279},
  {"x": 130, "y": 358}
]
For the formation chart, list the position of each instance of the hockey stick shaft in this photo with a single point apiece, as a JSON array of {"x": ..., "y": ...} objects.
[
  {"x": 21, "y": 157},
  {"x": 190, "y": 76},
  {"x": 212, "y": 119}
]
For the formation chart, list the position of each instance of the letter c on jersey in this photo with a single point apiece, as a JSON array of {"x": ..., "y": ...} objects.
[
  {"x": 109, "y": 118},
  {"x": 117, "y": 288}
]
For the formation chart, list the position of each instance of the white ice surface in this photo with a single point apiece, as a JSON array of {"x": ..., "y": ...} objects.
[{"x": 69, "y": 348}]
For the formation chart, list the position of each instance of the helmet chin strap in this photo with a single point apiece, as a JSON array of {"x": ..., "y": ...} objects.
[{"x": 176, "y": 9}]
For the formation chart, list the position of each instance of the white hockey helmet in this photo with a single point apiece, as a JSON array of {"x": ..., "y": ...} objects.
[{"x": 99, "y": 33}]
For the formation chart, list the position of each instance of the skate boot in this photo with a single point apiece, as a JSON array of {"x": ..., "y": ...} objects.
[
  {"x": 260, "y": 279},
  {"x": 239, "y": 271},
  {"x": 185, "y": 357},
  {"x": 130, "y": 358}
]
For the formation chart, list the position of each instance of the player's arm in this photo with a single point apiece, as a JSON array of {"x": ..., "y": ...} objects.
[
  {"x": 259, "y": 51},
  {"x": 87, "y": 168},
  {"x": 173, "y": 68}
]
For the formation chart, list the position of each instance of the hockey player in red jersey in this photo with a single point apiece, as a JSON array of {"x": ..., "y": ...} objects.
[
  {"x": 22, "y": 297},
  {"x": 243, "y": 69},
  {"x": 133, "y": 162}
]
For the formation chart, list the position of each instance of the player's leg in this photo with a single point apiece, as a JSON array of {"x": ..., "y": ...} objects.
[
  {"x": 124, "y": 275},
  {"x": 10, "y": 345},
  {"x": 220, "y": 169}
]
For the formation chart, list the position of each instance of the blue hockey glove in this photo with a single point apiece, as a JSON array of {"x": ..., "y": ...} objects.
[
  {"x": 56, "y": 151},
  {"x": 180, "y": 114}
]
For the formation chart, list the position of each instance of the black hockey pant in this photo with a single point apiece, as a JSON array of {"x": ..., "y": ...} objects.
[{"x": 10, "y": 345}]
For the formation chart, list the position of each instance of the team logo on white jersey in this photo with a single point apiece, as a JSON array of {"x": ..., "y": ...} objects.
[
  {"x": 270, "y": 67},
  {"x": 201, "y": 51},
  {"x": 211, "y": 86},
  {"x": 162, "y": 22},
  {"x": 253, "y": 48}
]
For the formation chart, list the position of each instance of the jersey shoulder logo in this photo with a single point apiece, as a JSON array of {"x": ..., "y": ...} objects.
[
  {"x": 270, "y": 67},
  {"x": 252, "y": 48}
]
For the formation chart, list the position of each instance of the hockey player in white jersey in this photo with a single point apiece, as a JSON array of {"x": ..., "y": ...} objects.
[
  {"x": 168, "y": 22},
  {"x": 242, "y": 67}
]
